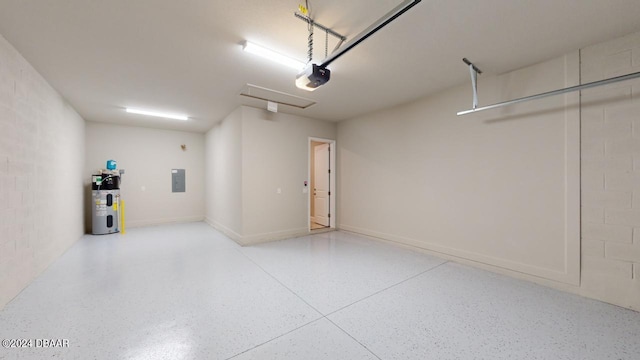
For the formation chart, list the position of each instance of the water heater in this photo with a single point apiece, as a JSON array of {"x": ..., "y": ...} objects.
[{"x": 105, "y": 197}]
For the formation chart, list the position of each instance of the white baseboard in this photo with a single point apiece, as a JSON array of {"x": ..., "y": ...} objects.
[
  {"x": 486, "y": 263},
  {"x": 141, "y": 223},
  {"x": 231, "y": 234},
  {"x": 245, "y": 240},
  {"x": 273, "y": 236}
]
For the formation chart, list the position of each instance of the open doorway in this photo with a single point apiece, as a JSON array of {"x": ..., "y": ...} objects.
[{"x": 322, "y": 184}]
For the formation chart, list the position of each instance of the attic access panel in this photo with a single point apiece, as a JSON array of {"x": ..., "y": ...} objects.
[{"x": 282, "y": 98}]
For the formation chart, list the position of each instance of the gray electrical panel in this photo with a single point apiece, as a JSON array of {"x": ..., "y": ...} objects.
[{"x": 178, "y": 180}]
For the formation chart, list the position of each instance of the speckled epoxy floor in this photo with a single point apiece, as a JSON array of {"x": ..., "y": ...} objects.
[{"x": 187, "y": 292}]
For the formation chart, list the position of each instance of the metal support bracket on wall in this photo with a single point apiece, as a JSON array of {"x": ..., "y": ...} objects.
[{"x": 474, "y": 71}]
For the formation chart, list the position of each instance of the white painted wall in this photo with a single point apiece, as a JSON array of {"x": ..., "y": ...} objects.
[
  {"x": 41, "y": 169},
  {"x": 147, "y": 156},
  {"x": 499, "y": 188},
  {"x": 611, "y": 174},
  {"x": 224, "y": 175},
  {"x": 250, "y": 155},
  {"x": 275, "y": 155}
]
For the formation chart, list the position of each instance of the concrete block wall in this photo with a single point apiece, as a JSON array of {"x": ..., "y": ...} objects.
[
  {"x": 610, "y": 180},
  {"x": 41, "y": 167}
]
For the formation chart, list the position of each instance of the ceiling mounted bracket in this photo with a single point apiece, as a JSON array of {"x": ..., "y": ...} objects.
[
  {"x": 316, "y": 75},
  {"x": 474, "y": 71},
  {"x": 327, "y": 30},
  {"x": 372, "y": 29}
]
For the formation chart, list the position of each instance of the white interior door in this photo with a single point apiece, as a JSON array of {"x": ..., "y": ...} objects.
[{"x": 321, "y": 190}]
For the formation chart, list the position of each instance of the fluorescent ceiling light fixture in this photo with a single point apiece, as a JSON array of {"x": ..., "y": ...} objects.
[
  {"x": 157, "y": 114},
  {"x": 272, "y": 55}
]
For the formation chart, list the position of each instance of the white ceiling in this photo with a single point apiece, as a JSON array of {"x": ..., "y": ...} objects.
[{"x": 186, "y": 57}]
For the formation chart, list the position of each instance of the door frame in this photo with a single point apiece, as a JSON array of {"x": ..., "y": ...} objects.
[{"x": 332, "y": 180}]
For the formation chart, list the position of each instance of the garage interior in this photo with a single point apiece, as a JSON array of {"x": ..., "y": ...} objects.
[{"x": 393, "y": 212}]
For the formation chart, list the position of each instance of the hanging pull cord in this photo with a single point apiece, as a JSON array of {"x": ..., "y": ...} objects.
[
  {"x": 474, "y": 84},
  {"x": 310, "y": 41}
]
